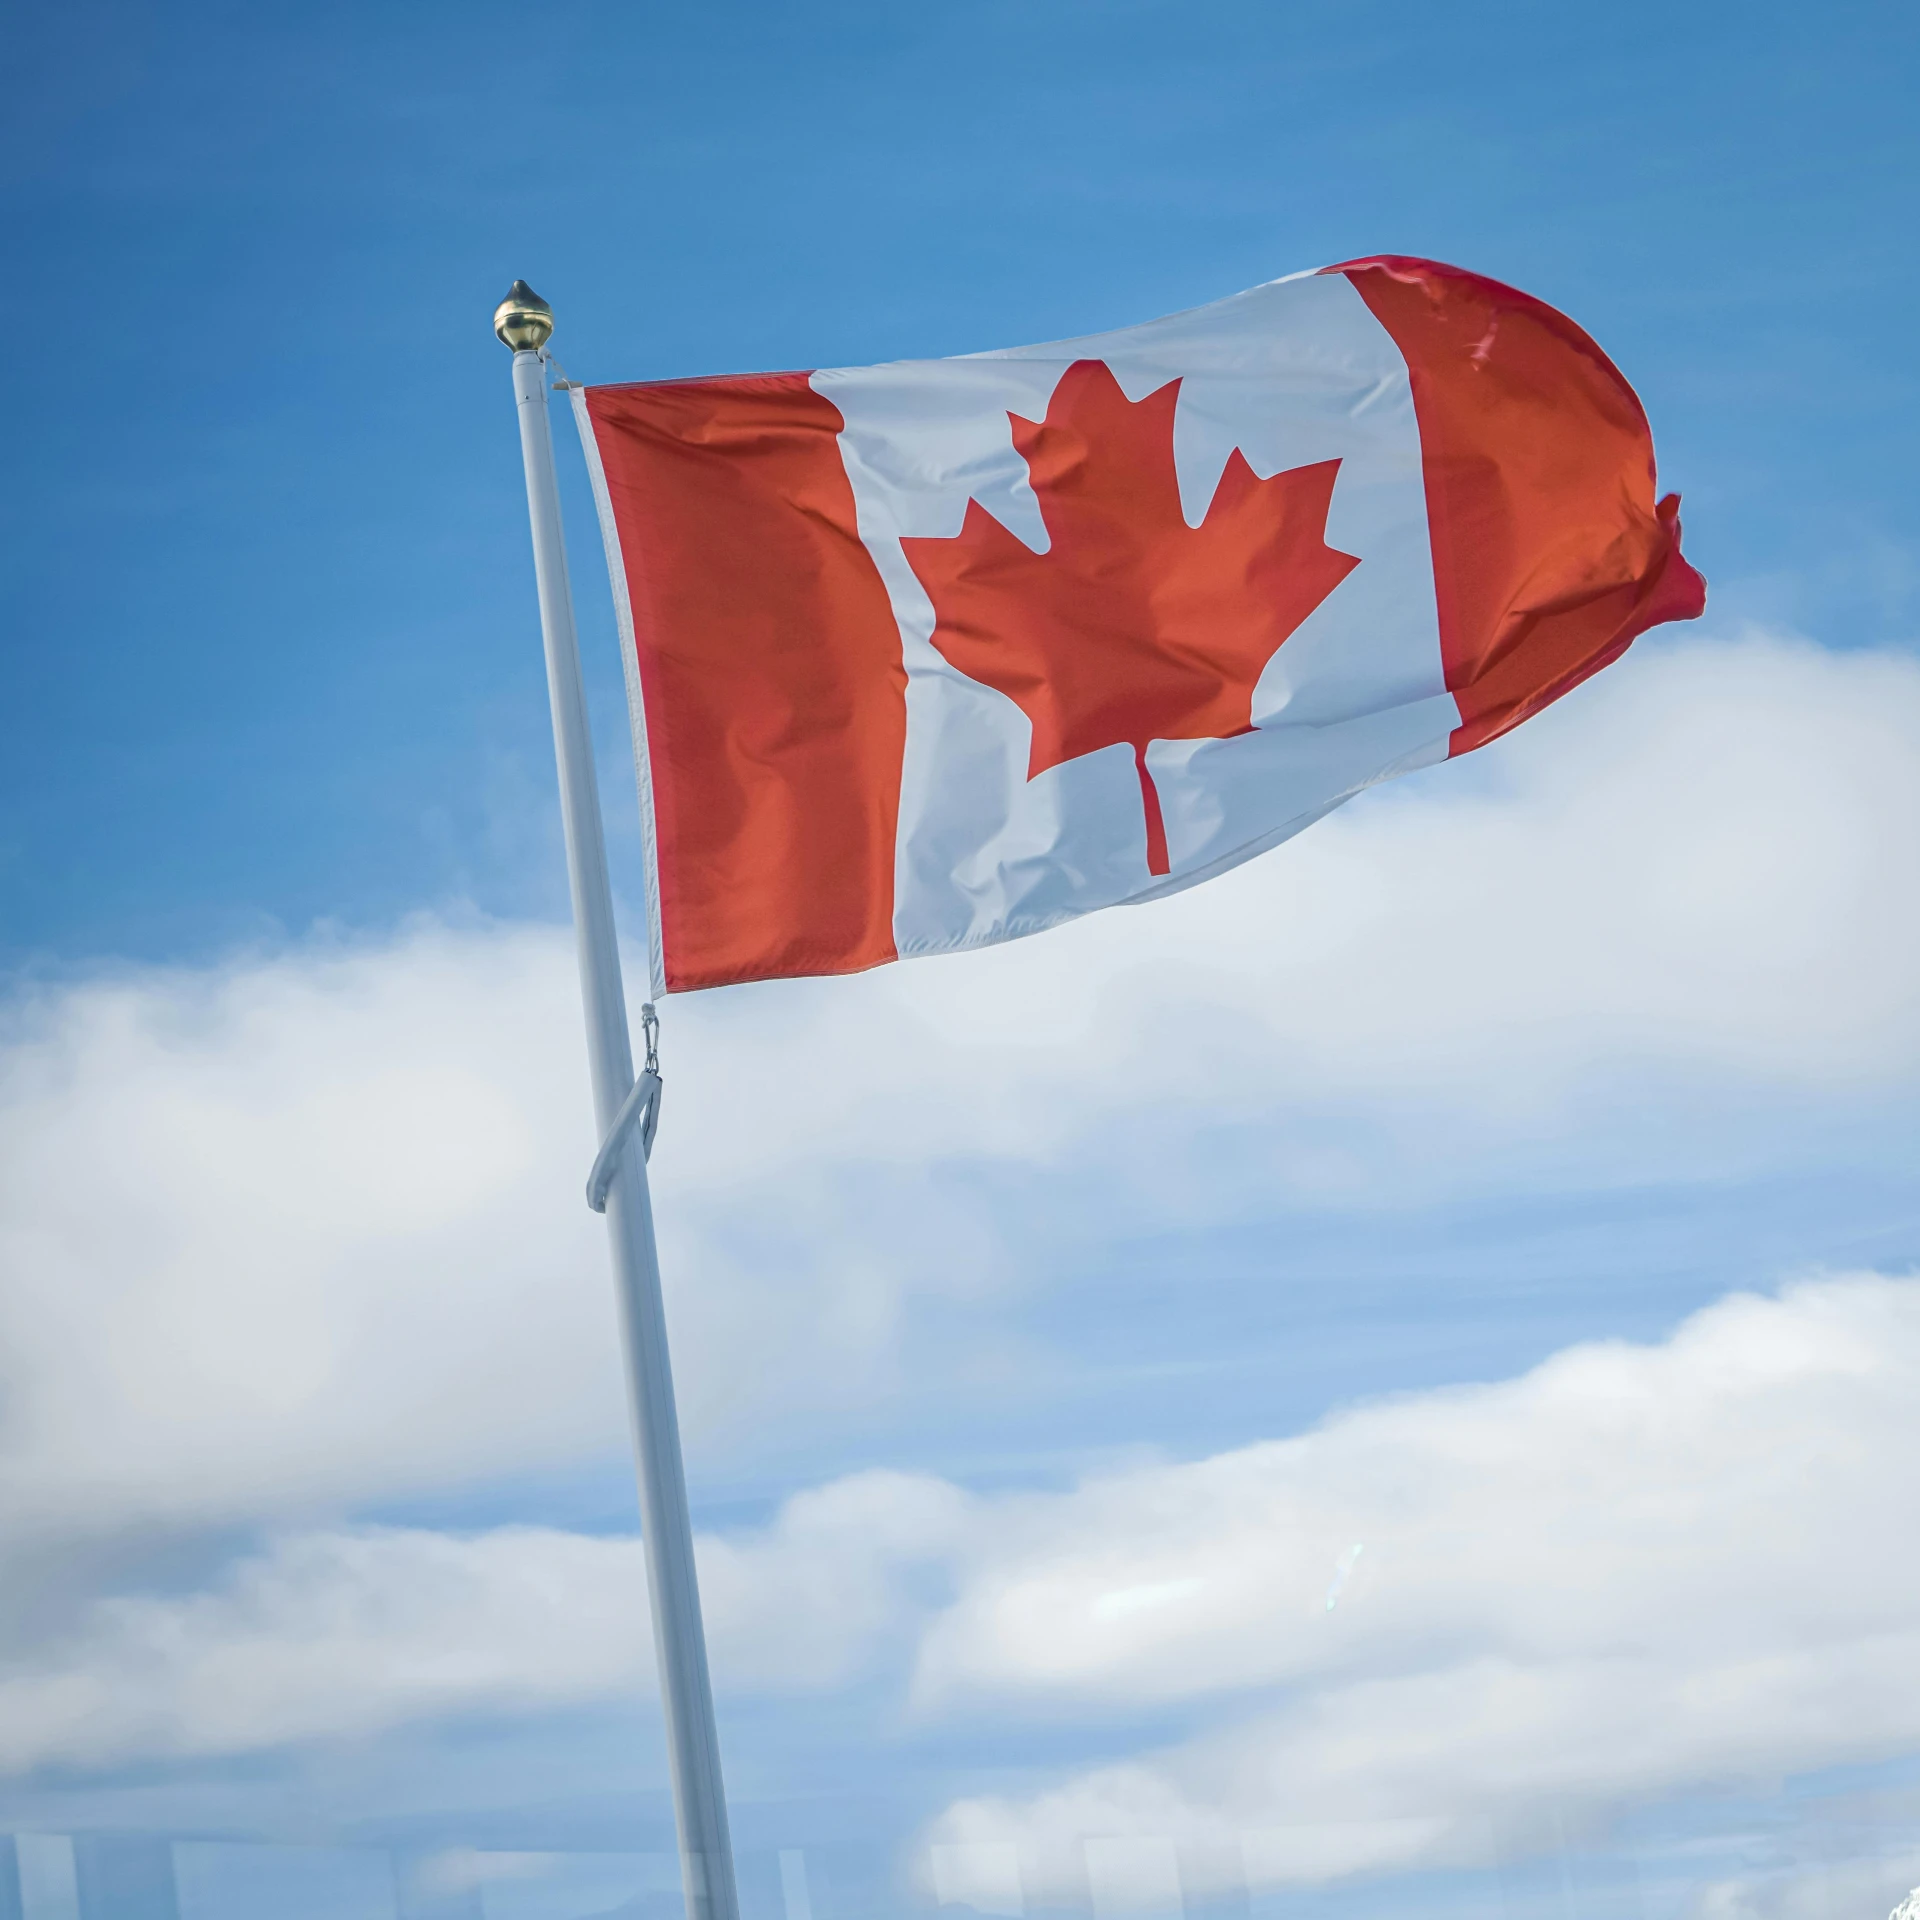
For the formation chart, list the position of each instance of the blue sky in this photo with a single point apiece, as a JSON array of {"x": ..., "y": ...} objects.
[
  {"x": 1518, "y": 1065},
  {"x": 272, "y": 542}
]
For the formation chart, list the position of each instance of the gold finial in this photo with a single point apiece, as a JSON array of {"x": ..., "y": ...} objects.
[{"x": 523, "y": 320}]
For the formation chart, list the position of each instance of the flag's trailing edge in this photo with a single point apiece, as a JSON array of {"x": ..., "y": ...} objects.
[{"x": 935, "y": 654}]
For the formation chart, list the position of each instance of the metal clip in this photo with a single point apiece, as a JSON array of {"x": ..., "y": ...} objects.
[{"x": 641, "y": 1107}]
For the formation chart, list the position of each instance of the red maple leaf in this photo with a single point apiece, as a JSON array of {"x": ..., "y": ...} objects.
[{"x": 1133, "y": 626}]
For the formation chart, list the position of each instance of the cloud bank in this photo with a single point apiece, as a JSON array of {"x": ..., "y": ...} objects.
[
  {"x": 287, "y": 1238},
  {"x": 1635, "y": 1570},
  {"x": 343, "y": 1632},
  {"x": 306, "y": 1229}
]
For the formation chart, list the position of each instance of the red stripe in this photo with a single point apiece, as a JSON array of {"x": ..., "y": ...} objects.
[
  {"x": 1550, "y": 552},
  {"x": 770, "y": 666}
]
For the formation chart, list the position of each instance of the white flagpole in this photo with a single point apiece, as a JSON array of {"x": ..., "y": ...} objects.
[{"x": 524, "y": 321}]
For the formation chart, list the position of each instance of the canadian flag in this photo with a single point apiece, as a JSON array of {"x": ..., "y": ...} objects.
[{"x": 935, "y": 654}]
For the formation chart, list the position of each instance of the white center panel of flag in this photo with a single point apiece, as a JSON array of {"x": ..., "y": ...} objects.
[{"x": 1291, "y": 374}]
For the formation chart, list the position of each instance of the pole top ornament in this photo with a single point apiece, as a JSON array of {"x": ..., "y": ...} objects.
[{"x": 523, "y": 320}]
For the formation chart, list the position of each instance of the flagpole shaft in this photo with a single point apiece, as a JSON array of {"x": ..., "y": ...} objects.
[{"x": 693, "y": 1747}]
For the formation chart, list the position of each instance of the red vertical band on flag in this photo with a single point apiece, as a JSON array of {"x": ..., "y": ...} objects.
[
  {"x": 770, "y": 665},
  {"x": 1550, "y": 553}
]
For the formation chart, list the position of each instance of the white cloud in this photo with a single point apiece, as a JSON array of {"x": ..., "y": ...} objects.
[
  {"x": 306, "y": 1229},
  {"x": 347, "y": 1631},
  {"x": 335, "y": 1634},
  {"x": 837, "y": 1581},
  {"x": 296, "y": 1229},
  {"x": 1504, "y": 1510},
  {"x": 309, "y": 1229},
  {"x": 1631, "y": 1572}
]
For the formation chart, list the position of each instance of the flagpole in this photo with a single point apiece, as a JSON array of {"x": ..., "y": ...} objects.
[{"x": 524, "y": 321}]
